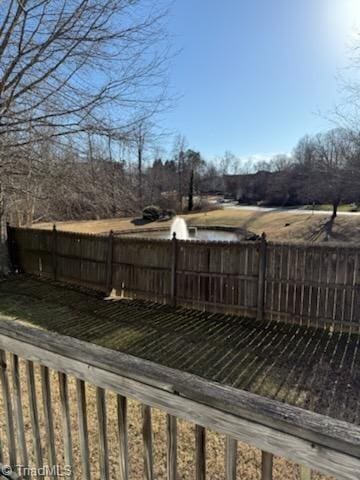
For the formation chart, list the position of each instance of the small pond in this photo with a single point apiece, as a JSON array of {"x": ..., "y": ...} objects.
[{"x": 196, "y": 234}]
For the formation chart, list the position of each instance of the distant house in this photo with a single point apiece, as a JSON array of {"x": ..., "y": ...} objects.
[
  {"x": 249, "y": 187},
  {"x": 271, "y": 187}
]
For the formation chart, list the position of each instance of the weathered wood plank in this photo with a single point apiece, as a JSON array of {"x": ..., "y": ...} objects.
[
  {"x": 144, "y": 268},
  {"x": 335, "y": 434},
  {"x": 171, "y": 424},
  {"x": 49, "y": 423},
  {"x": 18, "y": 410},
  {"x": 266, "y": 466},
  {"x": 200, "y": 452},
  {"x": 109, "y": 261},
  {"x": 55, "y": 253},
  {"x": 123, "y": 437},
  {"x": 174, "y": 256},
  {"x": 103, "y": 440},
  {"x": 147, "y": 439},
  {"x": 66, "y": 419},
  {"x": 261, "y": 278},
  {"x": 33, "y": 407},
  {"x": 230, "y": 458},
  {"x": 83, "y": 429},
  {"x": 9, "y": 419},
  {"x": 330, "y": 461}
]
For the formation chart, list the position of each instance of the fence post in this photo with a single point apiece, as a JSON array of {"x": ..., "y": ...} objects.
[
  {"x": 54, "y": 253},
  {"x": 109, "y": 261},
  {"x": 262, "y": 277},
  {"x": 10, "y": 248},
  {"x": 173, "y": 270}
]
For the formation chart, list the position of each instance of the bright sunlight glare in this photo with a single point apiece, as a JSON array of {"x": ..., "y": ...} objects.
[{"x": 347, "y": 17}]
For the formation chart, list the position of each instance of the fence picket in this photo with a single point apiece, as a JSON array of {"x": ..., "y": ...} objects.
[{"x": 288, "y": 282}]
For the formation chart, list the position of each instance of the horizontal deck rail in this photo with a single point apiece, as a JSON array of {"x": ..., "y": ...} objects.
[{"x": 312, "y": 440}]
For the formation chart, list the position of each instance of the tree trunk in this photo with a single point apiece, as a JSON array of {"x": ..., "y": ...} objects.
[
  {"x": 140, "y": 161},
  {"x": 180, "y": 179},
  {"x": 335, "y": 208},
  {"x": 191, "y": 192},
  {"x": 4, "y": 254}
]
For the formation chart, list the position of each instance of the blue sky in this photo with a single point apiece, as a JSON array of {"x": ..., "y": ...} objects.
[{"x": 253, "y": 75}]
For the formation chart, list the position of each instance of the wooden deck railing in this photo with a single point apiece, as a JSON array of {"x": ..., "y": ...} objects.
[
  {"x": 46, "y": 361},
  {"x": 301, "y": 283}
]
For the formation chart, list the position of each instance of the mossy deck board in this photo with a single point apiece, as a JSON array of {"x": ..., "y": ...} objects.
[{"x": 301, "y": 366}]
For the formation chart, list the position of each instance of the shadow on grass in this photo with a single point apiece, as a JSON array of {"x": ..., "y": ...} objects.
[{"x": 140, "y": 221}]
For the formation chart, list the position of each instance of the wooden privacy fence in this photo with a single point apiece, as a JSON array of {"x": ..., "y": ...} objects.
[{"x": 302, "y": 283}]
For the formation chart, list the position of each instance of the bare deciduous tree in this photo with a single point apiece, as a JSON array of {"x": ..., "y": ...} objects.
[
  {"x": 69, "y": 67},
  {"x": 64, "y": 62}
]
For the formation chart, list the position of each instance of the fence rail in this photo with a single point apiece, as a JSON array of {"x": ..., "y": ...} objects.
[
  {"x": 316, "y": 285},
  {"x": 45, "y": 380}
]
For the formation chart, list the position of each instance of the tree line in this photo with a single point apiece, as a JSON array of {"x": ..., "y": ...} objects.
[
  {"x": 110, "y": 178},
  {"x": 324, "y": 168},
  {"x": 82, "y": 83}
]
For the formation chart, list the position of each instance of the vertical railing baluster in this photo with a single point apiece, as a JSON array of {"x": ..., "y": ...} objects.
[
  {"x": 171, "y": 429},
  {"x": 266, "y": 466},
  {"x": 18, "y": 410},
  {"x": 66, "y": 421},
  {"x": 230, "y": 458},
  {"x": 103, "y": 441},
  {"x": 83, "y": 429},
  {"x": 9, "y": 421},
  {"x": 34, "y": 417},
  {"x": 123, "y": 437},
  {"x": 200, "y": 452},
  {"x": 49, "y": 423},
  {"x": 305, "y": 473},
  {"x": 147, "y": 438},
  {"x": 1, "y": 449}
]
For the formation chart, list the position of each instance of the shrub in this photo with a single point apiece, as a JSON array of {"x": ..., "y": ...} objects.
[
  {"x": 151, "y": 213},
  {"x": 169, "y": 213}
]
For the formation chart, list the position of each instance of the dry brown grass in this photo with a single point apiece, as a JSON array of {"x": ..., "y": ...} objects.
[
  {"x": 283, "y": 225},
  {"x": 277, "y": 225},
  {"x": 248, "y": 457}
]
